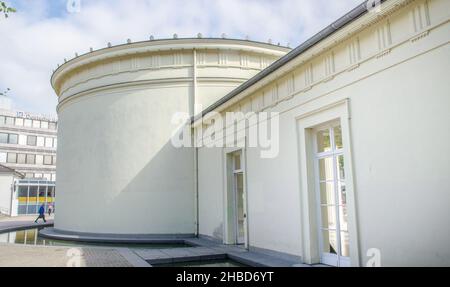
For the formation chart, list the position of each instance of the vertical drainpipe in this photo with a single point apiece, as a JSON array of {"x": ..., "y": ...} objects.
[{"x": 192, "y": 107}]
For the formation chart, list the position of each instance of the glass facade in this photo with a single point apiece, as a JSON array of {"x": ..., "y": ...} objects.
[{"x": 31, "y": 194}]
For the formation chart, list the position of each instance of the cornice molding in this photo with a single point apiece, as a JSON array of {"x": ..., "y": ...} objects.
[{"x": 154, "y": 47}]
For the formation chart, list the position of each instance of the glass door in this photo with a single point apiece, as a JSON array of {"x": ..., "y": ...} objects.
[
  {"x": 240, "y": 215},
  {"x": 331, "y": 196}
]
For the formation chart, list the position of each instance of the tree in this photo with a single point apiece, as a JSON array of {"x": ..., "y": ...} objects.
[{"x": 5, "y": 9}]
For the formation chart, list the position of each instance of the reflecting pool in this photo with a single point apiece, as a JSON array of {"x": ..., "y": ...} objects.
[{"x": 31, "y": 237}]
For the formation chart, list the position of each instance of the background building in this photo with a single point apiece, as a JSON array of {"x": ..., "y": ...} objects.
[
  {"x": 27, "y": 142},
  {"x": 8, "y": 178}
]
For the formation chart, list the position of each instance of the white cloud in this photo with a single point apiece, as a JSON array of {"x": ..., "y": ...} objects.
[{"x": 43, "y": 33}]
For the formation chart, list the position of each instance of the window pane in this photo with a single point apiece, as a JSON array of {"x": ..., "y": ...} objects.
[
  {"x": 3, "y": 138},
  {"x": 44, "y": 125},
  {"x": 42, "y": 191},
  {"x": 12, "y": 157},
  {"x": 47, "y": 176},
  {"x": 39, "y": 159},
  {"x": 48, "y": 160},
  {"x": 323, "y": 141},
  {"x": 55, "y": 143},
  {"x": 27, "y": 123},
  {"x": 19, "y": 122},
  {"x": 13, "y": 139},
  {"x": 326, "y": 168},
  {"x": 340, "y": 167},
  {"x": 40, "y": 141},
  {"x": 327, "y": 195},
  {"x": 54, "y": 159},
  {"x": 237, "y": 162},
  {"x": 342, "y": 193},
  {"x": 21, "y": 158},
  {"x": 328, "y": 217},
  {"x": 33, "y": 191},
  {"x": 31, "y": 158},
  {"x": 48, "y": 142},
  {"x": 2, "y": 157},
  {"x": 52, "y": 126},
  {"x": 22, "y": 139},
  {"x": 31, "y": 140},
  {"x": 343, "y": 218},
  {"x": 2, "y": 120},
  {"x": 36, "y": 124},
  {"x": 50, "y": 192},
  {"x": 53, "y": 177},
  {"x": 329, "y": 241},
  {"x": 337, "y": 137},
  {"x": 32, "y": 209},
  {"x": 10, "y": 121},
  {"x": 23, "y": 191},
  {"x": 345, "y": 246},
  {"x": 29, "y": 175}
]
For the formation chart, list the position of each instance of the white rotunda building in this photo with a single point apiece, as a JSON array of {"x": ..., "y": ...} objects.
[{"x": 118, "y": 172}]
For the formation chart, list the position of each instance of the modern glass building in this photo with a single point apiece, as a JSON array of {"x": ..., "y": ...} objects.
[{"x": 29, "y": 195}]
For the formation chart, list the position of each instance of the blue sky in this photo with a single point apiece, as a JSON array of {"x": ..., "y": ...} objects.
[{"x": 44, "y": 32}]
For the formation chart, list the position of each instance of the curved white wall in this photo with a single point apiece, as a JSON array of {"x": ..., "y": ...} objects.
[{"x": 117, "y": 170}]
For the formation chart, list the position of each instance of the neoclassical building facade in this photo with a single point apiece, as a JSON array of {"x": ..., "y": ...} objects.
[{"x": 359, "y": 176}]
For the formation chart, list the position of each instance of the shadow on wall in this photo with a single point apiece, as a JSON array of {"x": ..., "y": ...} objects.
[{"x": 218, "y": 232}]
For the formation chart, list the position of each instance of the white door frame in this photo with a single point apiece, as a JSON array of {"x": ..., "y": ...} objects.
[
  {"x": 230, "y": 219},
  {"x": 329, "y": 258},
  {"x": 308, "y": 118}
]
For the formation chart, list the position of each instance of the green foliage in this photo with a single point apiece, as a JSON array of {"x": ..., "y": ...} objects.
[{"x": 5, "y": 9}]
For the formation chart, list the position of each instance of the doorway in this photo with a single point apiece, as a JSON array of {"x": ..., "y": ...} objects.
[
  {"x": 237, "y": 205},
  {"x": 331, "y": 196}
]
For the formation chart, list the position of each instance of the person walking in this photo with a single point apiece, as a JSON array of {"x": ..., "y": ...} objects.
[
  {"x": 50, "y": 209},
  {"x": 41, "y": 213}
]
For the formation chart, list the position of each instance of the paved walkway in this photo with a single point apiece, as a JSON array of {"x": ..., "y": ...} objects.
[
  {"x": 14, "y": 255},
  {"x": 18, "y": 255},
  {"x": 200, "y": 250}
]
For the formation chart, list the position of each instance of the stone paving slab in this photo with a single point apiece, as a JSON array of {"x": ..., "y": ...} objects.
[
  {"x": 36, "y": 256},
  {"x": 160, "y": 256}
]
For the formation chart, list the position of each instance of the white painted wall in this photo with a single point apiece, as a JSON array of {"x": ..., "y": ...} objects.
[
  {"x": 398, "y": 108},
  {"x": 6, "y": 182},
  {"x": 117, "y": 169}
]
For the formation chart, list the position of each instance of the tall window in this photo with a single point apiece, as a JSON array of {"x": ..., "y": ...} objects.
[
  {"x": 31, "y": 140},
  {"x": 2, "y": 157},
  {"x": 36, "y": 124},
  {"x": 3, "y": 138},
  {"x": 52, "y": 125},
  {"x": 12, "y": 157},
  {"x": 13, "y": 139},
  {"x": 330, "y": 180},
  {"x": 31, "y": 159},
  {"x": 9, "y": 121},
  {"x": 48, "y": 142},
  {"x": 48, "y": 160},
  {"x": 40, "y": 141},
  {"x": 28, "y": 123},
  {"x": 19, "y": 122},
  {"x": 22, "y": 140},
  {"x": 21, "y": 158}
]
